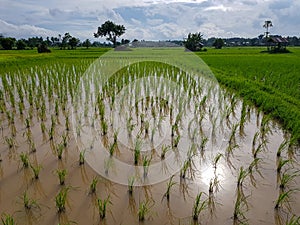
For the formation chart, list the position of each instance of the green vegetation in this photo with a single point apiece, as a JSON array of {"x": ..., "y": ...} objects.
[
  {"x": 28, "y": 202},
  {"x": 130, "y": 184},
  {"x": 10, "y": 142},
  {"x": 25, "y": 159},
  {"x": 194, "y": 41},
  {"x": 137, "y": 150},
  {"x": 281, "y": 163},
  {"x": 61, "y": 199},
  {"x": 111, "y": 30},
  {"x": 283, "y": 198},
  {"x": 144, "y": 209},
  {"x": 61, "y": 176},
  {"x": 36, "y": 170},
  {"x": 218, "y": 43},
  {"x": 217, "y": 159},
  {"x": 281, "y": 148},
  {"x": 7, "y": 219},
  {"x": 203, "y": 143},
  {"x": 287, "y": 178},
  {"x": 93, "y": 185},
  {"x": 18, "y": 59},
  {"x": 271, "y": 82},
  {"x": 59, "y": 72},
  {"x": 169, "y": 185},
  {"x": 112, "y": 148},
  {"x": 60, "y": 149},
  {"x": 240, "y": 208},
  {"x": 164, "y": 150},
  {"x": 199, "y": 206},
  {"x": 102, "y": 206},
  {"x": 81, "y": 157},
  {"x": 241, "y": 176},
  {"x": 146, "y": 164},
  {"x": 294, "y": 220}
]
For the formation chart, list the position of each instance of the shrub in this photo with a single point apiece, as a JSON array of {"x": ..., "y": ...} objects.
[{"x": 42, "y": 48}]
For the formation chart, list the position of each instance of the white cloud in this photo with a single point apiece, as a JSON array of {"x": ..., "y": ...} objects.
[
  {"x": 149, "y": 19},
  {"x": 218, "y": 7},
  {"x": 155, "y": 22},
  {"x": 20, "y": 31},
  {"x": 136, "y": 22}
]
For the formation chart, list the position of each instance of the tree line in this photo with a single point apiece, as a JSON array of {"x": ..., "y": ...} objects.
[
  {"x": 63, "y": 42},
  {"x": 9, "y": 43},
  {"x": 112, "y": 31}
]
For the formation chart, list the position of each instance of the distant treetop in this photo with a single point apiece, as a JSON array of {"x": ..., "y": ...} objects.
[
  {"x": 194, "y": 42},
  {"x": 111, "y": 30}
]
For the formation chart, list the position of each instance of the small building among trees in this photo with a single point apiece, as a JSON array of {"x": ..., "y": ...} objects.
[{"x": 277, "y": 43}]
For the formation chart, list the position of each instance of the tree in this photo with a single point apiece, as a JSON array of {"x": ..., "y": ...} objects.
[
  {"x": 21, "y": 45},
  {"x": 268, "y": 23},
  {"x": 125, "y": 41},
  {"x": 194, "y": 42},
  {"x": 111, "y": 30},
  {"x": 86, "y": 43},
  {"x": 48, "y": 41},
  {"x": 65, "y": 40},
  {"x": 219, "y": 43},
  {"x": 73, "y": 42},
  {"x": 7, "y": 43},
  {"x": 34, "y": 42},
  {"x": 55, "y": 41},
  {"x": 43, "y": 48}
]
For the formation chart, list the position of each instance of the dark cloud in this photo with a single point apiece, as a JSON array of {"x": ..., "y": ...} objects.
[{"x": 55, "y": 12}]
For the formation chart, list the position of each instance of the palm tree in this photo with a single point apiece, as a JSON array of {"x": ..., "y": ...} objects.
[
  {"x": 268, "y": 23},
  {"x": 194, "y": 42}
]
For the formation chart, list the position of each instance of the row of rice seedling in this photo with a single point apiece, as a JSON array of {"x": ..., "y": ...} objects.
[
  {"x": 141, "y": 109},
  {"x": 140, "y": 118},
  {"x": 41, "y": 97},
  {"x": 273, "y": 89}
]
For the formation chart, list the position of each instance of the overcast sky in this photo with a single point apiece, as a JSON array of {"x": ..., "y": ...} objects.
[{"x": 149, "y": 19}]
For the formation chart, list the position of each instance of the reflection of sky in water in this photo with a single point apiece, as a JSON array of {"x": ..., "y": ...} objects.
[
  {"x": 206, "y": 173},
  {"x": 217, "y": 126}
]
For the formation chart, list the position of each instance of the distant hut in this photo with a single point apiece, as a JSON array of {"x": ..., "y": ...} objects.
[{"x": 277, "y": 43}]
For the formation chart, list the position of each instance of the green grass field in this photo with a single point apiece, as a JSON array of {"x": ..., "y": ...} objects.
[
  {"x": 270, "y": 81},
  {"x": 13, "y": 60}
]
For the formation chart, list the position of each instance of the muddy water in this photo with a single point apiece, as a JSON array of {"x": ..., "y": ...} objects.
[
  {"x": 259, "y": 190},
  {"x": 81, "y": 206}
]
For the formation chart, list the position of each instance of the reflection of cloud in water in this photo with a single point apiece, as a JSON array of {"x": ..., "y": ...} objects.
[
  {"x": 208, "y": 173},
  {"x": 147, "y": 96}
]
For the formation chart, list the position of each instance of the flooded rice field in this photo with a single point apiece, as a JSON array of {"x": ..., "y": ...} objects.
[{"x": 151, "y": 144}]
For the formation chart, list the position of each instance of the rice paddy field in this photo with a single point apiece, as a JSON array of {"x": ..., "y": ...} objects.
[{"x": 88, "y": 137}]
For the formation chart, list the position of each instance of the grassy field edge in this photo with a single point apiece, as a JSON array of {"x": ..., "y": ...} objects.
[{"x": 281, "y": 108}]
